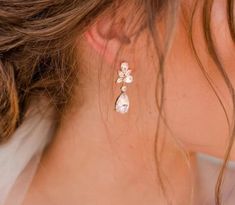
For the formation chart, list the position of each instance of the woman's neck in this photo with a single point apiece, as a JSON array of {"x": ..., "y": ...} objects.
[{"x": 93, "y": 162}]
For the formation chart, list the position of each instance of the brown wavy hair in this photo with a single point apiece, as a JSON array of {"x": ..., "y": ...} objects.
[{"x": 37, "y": 53}]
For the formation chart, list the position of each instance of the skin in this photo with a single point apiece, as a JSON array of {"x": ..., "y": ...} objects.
[{"x": 92, "y": 162}]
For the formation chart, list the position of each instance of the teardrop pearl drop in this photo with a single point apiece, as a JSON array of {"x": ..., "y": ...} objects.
[{"x": 122, "y": 103}]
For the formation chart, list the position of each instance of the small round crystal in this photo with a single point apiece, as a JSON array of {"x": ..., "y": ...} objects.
[{"x": 124, "y": 88}]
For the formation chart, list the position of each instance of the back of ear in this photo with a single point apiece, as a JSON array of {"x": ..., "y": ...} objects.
[{"x": 106, "y": 36}]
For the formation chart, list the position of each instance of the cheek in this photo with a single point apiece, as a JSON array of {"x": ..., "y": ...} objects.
[{"x": 194, "y": 113}]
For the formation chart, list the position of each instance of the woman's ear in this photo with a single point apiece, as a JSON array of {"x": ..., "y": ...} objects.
[{"x": 106, "y": 37}]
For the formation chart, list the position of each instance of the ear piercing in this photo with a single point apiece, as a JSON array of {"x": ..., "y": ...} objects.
[{"x": 124, "y": 77}]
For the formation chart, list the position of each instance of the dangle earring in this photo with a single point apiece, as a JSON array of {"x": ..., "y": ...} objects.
[{"x": 124, "y": 77}]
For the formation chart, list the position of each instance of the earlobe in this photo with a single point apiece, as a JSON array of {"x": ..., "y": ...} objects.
[{"x": 106, "y": 37}]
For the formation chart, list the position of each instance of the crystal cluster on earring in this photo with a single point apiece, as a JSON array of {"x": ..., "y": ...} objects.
[{"x": 124, "y": 77}]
